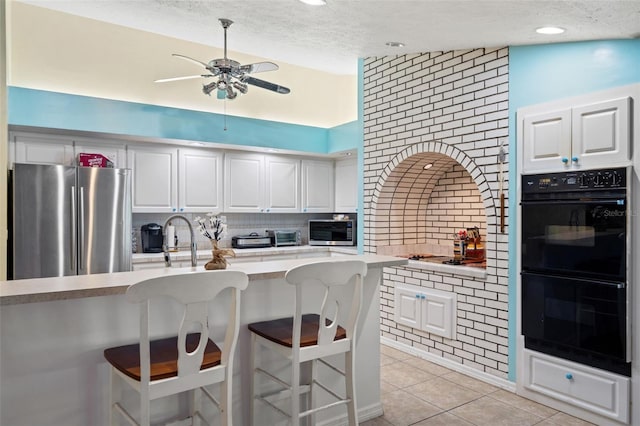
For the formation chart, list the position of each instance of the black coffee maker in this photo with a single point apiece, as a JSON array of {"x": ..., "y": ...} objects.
[{"x": 152, "y": 238}]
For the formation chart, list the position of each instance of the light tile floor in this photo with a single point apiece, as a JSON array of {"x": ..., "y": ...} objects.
[{"x": 417, "y": 392}]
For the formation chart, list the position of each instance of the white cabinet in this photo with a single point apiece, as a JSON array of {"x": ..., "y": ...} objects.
[
  {"x": 317, "y": 186},
  {"x": 346, "y": 186},
  {"x": 170, "y": 180},
  {"x": 261, "y": 183},
  {"x": 154, "y": 179},
  {"x": 581, "y": 136},
  {"x": 282, "y": 184},
  {"x": 199, "y": 180},
  {"x": 426, "y": 309},
  {"x": 63, "y": 150},
  {"x": 599, "y": 391}
]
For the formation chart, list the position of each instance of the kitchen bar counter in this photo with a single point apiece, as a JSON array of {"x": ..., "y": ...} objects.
[{"x": 53, "y": 332}]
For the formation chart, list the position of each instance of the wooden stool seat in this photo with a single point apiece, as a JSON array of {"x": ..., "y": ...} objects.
[
  {"x": 280, "y": 331},
  {"x": 163, "y": 355}
]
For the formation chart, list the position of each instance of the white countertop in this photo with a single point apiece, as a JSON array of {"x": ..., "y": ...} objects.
[
  {"x": 81, "y": 286},
  {"x": 182, "y": 255}
]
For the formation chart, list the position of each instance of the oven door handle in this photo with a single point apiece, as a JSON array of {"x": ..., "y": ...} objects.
[
  {"x": 615, "y": 202},
  {"x": 620, "y": 285}
]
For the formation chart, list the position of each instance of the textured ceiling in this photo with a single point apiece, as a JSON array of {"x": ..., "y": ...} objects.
[{"x": 332, "y": 37}]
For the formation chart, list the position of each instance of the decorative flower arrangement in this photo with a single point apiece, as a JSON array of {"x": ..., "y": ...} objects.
[
  {"x": 217, "y": 223},
  {"x": 215, "y": 232}
]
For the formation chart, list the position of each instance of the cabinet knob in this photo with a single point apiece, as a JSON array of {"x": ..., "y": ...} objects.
[
  {"x": 173, "y": 209},
  {"x": 565, "y": 160},
  {"x": 181, "y": 209},
  {"x": 422, "y": 296},
  {"x": 417, "y": 296},
  {"x": 574, "y": 159},
  {"x": 569, "y": 376}
]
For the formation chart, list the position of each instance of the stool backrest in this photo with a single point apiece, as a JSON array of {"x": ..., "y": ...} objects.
[
  {"x": 195, "y": 291},
  {"x": 334, "y": 275}
]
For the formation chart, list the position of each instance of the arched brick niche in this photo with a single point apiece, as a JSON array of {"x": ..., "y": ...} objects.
[{"x": 426, "y": 194}]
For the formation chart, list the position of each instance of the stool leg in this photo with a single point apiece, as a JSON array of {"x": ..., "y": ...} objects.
[
  {"x": 350, "y": 382},
  {"x": 252, "y": 385},
  {"x": 312, "y": 394},
  {"x": 295, "y": 393}
]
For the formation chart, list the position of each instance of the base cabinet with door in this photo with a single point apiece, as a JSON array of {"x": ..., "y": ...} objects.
[
  {"x": 575, "y": 136},
  {"x": 426, "y": 309},
  {"x": 601, "y": 392}
]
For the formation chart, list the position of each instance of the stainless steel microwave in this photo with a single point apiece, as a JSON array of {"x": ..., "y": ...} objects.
[{"x": 332, "y": 232}]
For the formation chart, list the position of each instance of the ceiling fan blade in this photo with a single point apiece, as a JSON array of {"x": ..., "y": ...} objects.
[
  {"x": 195, "y": 61},
  {"x": 259, "y": 67},
  {"x": 266, "y": 85},
  {"x": 188, "y": 77}
]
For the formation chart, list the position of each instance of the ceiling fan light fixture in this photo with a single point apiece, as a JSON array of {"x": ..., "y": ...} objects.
[
  {"x": 230, "y": 93},
  {"x": 208, "y": 88},
  {"x": 550, "y": 30},
  {"x": 394, "y": 44},
  {"x": 241, "y": 87},
  {"x": 314, "y": 2}
]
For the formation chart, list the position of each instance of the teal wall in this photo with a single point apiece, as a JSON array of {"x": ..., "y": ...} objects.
[
  {"x": 39, "y": 108},
  {"x": 544, "y": 73}
]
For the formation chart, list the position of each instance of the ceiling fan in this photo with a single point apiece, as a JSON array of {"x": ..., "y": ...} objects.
[{"x": 231, "y": 76}]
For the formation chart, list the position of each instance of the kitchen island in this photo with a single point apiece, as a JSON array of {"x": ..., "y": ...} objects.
[{"x": 53, "y": 332}]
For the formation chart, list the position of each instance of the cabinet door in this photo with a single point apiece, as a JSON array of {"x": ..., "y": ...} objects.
[
  {"x": 601, "y": 133},
  {"x": 41, "y": 149},
  {"x": 407, "y": 307},
  {"x": 199, "y": 180},
  {"x": 282, "y": 179},
  {"x": 155, "y": 179},
  {"x": 116, "y": 153},
  {"x": 346, "y": 186},
  {"x": 438, "y": 313},
  {"x": 243, "y": 182},
  {"x": 317, "y": 186},
  {"x": 546, "y": 141}
]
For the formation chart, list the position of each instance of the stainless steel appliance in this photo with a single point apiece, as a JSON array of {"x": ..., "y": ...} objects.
[
  {"x": 252, "y": 240},
  {"x": 69, "y": 221},
  {"x": 152, "y": 238},
  {"x": 332, "y": 232},
  {"x": 575, "y": 257},
  {"x": 280, "y": 238}
]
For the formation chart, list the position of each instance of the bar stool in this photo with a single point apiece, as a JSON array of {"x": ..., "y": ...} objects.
[
  {"x": 312, "y": 336},
  {"x": 188, "y": 361}
]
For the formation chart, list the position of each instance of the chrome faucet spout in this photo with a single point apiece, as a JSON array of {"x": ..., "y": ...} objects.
[{"x": 167, "y": 256}]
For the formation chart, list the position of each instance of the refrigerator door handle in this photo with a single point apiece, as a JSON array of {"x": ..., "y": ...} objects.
[
  {"x": 81, "y": 230},
  {"x": 74, "y": 229}
]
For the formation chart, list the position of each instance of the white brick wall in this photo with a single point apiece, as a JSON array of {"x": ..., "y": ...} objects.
[{"x": 449, "y": 109}]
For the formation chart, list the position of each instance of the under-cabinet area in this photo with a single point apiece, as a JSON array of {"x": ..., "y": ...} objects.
[{"x": 178, "y": 177}]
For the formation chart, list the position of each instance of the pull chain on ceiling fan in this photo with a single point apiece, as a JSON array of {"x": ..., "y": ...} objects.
[{"x": 232, "y": 77}]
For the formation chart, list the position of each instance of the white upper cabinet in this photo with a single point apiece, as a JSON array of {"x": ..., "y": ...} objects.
[
  {"x": 243, "y": 182},
  {"x": 282, "y": 184},
  {"x": 581, "y": 136},
  {"x": 199, "y": 180},
  {"x": 317, "y": 186},
  {"x": 261, "y": 183},
  {"x": 154, "y": 179},
  {"x": 175, "y": 180},
  {"x": 41, "y": 149},
  {"x": 346, "y": 186}
]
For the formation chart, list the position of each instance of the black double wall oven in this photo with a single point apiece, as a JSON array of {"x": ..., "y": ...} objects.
[{"x": 575, "y": 244}]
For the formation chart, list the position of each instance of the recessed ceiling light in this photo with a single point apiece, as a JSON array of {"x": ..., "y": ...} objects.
[
  {"x": 314, "y": 2},
  {"x": 428, "y": 166},
  {"x": 394, "y": 44},
  {"x": 549, "y": 30}
]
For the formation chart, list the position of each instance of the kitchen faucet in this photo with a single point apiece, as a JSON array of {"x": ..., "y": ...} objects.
[{"x": 167, "y": 256}]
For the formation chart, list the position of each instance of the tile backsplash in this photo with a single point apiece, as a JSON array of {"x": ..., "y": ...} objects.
[{"x": 237, "y": 224}]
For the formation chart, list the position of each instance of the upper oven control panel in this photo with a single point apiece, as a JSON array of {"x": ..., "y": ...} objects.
[{"x": 578, "y": 180}]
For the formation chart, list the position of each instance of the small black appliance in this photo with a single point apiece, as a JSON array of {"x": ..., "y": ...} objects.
[{"x": 152, "y": 238}]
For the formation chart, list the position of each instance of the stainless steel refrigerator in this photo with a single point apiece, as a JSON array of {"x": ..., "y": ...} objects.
[{"x": 69, "y": 220}]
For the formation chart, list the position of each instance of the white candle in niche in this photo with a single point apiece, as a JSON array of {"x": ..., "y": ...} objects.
[{"x": 171, "y": 233}]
